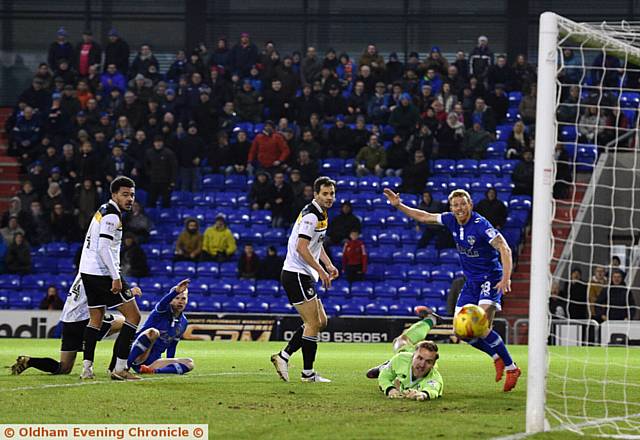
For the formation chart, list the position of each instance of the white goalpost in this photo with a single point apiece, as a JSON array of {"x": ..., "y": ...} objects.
[{"x": 584, "y": 350}]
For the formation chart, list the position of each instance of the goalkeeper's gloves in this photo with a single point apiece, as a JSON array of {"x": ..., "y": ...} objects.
[
  {"x": 394, "y": 393},
  {"x": 415, "y": 395}
]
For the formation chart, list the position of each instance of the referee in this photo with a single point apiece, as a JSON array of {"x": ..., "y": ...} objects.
[
  {"x": 299, "y": 275},
  {"x": 104, "y": 286}
]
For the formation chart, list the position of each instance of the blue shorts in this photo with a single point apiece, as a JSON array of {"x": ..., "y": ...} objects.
[{"x": 480, "y": 292}]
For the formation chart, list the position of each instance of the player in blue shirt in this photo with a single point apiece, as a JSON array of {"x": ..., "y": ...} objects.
[
  {"x": 486, "y": 261},
  {"x": 161, "y": 332}
]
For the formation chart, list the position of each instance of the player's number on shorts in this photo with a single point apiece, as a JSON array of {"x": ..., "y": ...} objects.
[{"x": 485, "y": 288}]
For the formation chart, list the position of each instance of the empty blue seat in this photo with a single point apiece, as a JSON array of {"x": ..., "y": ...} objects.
[
  {"x": 419, "y": 273},
  {"x": 460, "y": 183},
  {"x": 255, "y": 305},
  {"x": 385, "y": 290},
  {"x": 630, "y": 99},
  {"x": 362, "y": 289},
  {"x": 347, "y": 184},
  {"x": 434, "y": 292},
  {"x": 427, "y": 255},
  {"x": 391, "y": 182},
  {"x": 568, "y": 133},
  {"x": 515, "y": 97},
  {"x": 36, "y": 281},
  {"x": 228, "y": 270},
  {"x": 234, "y": 305},
  {"x": 489, "y": 166},
  {"x": 509, "y": 165},
  {"x": 397, "y": 220},
  {"x": 377, "y": 308},
  {"x": 236, "y": 182},
  {"x": 353, "y": 307},
  {"x": 444, "y": 166},
  {"x": 449, "y": 256},
  {"x": 57, "y": 249},
  {"x": 389, "y": 238},
  {"x": 160, "y": 267},
  {"x": 244, "y": 288},
  {"x": 467, "y": 166},
  {"x": 395, "y": 272},
  {"x": 332, "y": 166},
  {"x": 208, "y": 269},
  {"x": 199, "y": 287},
  {"x": 283, "y": 306},
  {"x": 513, "y": 114},
  {"x": 184, "y": 269},
  {"x": 496, "y": 149},
  {"x": 9, "y": 282},
  {"x": 438, "y": 274},
  {"x": 410, "y": 290},
  {"x": 402, "y": 257},
  {"x": 520, "y": 202},
  {"x": 373, "y": 219},
  {"x": 261, "y": 217},
  {"x": 268, "y": 288},
  {"x": 369, "y": 184},
  {"x": 20, "y": 301},
  {"x": 221, "y": 287}
]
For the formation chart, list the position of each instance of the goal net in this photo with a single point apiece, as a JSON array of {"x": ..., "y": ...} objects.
[{"x": 584, "y": 332}]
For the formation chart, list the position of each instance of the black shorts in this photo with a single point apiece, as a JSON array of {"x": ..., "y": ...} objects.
[
  {"x": 73, "y": 333},
  {"x": 98, "y": 290},
  {"x": 300, "y": 288}
]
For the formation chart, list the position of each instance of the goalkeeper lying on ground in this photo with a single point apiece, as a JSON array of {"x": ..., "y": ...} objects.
[{"x": 412, "y": 372}]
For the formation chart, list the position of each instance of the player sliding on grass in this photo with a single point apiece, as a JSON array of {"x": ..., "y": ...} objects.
[
  {"x": 74, "y": 317},
  {"x": 486, "y": 261},
  {"x": 414, "y": 375},
  {"x": 161, "y": 332},
  {"x": 299, "y": 276}
]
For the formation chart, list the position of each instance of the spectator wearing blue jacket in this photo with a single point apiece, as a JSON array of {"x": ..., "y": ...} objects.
[
  {"x": 112, "y": 79},
  {"x": 26, "y": 132},
  {"x": 378, "y": 108},
  {"x": 433, "y": 79}
]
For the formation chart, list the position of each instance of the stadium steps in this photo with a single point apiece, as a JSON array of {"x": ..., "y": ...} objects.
[
  {"x": 9, "y": 166},
  {"x": 516, "y": 304}
]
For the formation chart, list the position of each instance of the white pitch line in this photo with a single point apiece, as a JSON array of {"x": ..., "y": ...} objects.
[{"x": 102, "y": 382}]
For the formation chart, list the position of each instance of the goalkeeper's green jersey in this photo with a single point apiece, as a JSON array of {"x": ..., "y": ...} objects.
[{"x": 399, "y": 369}]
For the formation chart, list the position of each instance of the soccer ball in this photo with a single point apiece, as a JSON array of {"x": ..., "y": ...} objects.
[{"x": 470, "y": 322}]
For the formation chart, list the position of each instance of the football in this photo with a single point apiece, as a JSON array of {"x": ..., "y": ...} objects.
[{"x": 470, "y": 322}]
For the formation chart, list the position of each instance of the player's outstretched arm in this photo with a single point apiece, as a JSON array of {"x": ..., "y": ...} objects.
[
  {"x": 163, "y": 304},
  {"x": 501, "y": 245},
  {"x": 386, "y": 381},
  {"x": 416, "y": 214}
]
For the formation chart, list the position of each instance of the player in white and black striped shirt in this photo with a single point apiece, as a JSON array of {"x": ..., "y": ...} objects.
[
  {"x": 300, "y": 273},
  {"x": 103, "y": 283}
]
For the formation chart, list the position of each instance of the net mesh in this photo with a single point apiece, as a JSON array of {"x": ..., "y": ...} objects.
[{"x": 593, "y": 380}]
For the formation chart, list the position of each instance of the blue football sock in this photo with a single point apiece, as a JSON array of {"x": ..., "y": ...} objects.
[
  {"x": 482, "y": 345},
  {"x": 139, "y": 346},
  {"x": 494, "y": 340},
  {"x": 176, "y": 368}
]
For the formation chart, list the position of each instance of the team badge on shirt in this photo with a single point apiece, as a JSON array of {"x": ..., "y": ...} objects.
[{"x": 471, "y": 240}]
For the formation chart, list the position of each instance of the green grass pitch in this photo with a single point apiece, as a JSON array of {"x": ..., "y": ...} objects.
[{"x": 235, "y": 390}]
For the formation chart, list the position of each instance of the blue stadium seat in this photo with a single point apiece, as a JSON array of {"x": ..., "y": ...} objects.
[
  {"x": 228, "y": 270},
  {"x": 513, "y": 114},
  {"x": 514, "y": 98},
  {"x": 586, "y": 156},
  {"x": 4, "y": 299},
  {"x": 402, "y": 257},
  {"x": 467, "y": 166},
  {"x": 444, "y": 166},
  {"x": 373, "y": 219},
  {"x": 221, "y": 287},
  {"x": 449, "y": 256},
  {"x": 630, "y": 99},
  {"x": 212, "y": 181},
  {"x": 391, "y": 182},
  {"x": 460, "y": 183},
  {"x": 362, "y": 289},
  {"x": 438, "y": 274},
  {"x": 44, "y": 264},
  {"x": 20, "y": 301},
  {"x": 381, "y": 204},
  {"x": 238, "y": 218},
  {"x": 496, "y": 149},
  {"x": 428, "y": 255},
  {"x": 385, "y": 290},
  {"x": 36, "y": 281},
  {"x": 369, "y": 184},
  {"x": 244, "y": 126},
  {"x": 355, "y": 307},
  {"x": 347, "y": 184},
  {"x": 199, "y": 287},
  {"x": 160, "y": 267},
  {"x": 255, "y": 305},
  {"x": 517, "y": 218},
  {"x": 520, "y": 202},
  {"x": 236, "y": 182},
  {"x": 150, "y": 287},
  {"x": 419, "y": 273},
  {"x": 410, "y": 290},
  {"x": 9, "y": 282},
  {"x": 244, "y": 288},
  {"x": 261, "y": 217},
  {"x": 184, "y": 269},
  {"x": 434, "y": 292},
  {"x": 57, "y": 249},
  {"x": 395, "y": 272},
  {"x": 568, "y": 133},
  {"x": 267, "y": 288},
  {"x": 234, "y": 305},
  {"x": 396, "y": 220},
  {"x": 410, "y": 237},
  {"x": 332, "y": 167},
  {"x": 283, "y": 306},
  {"x": 489, "y": 166},
  {"x": 509, "y": 165},
  {"x": 377, "y": 308},
  {"x": 389, "y": 238}
]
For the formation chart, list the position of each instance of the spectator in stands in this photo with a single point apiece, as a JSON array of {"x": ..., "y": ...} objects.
[
  {"x": 310, "y": 66},
  {"x": 112, "y": 78},
  {"x": 304, "y": 199},
  {"x": 189, "y": 153},
  {"x": 309, "y": 144},
  {"x": 334, "y": 104},
  {"x": 65, "y": 71},
  {"x": 281, "y": 202},
  {"x": 277, "y": 101},
  {"x": 36, "y": 96},
  {"x": 307, "y": 167},
  {"x": 378, "y": 105},
  {"x": 119, "y": 164},
  {"x": 240, "y": 154},
  {"x": 405, "y": 116},
  {"x": 397, "y": 156},
  {"x": 358, "y": 101},
  {"x": 523, "y": 175},
  {"x": 475, "y": 141},
  {"x": 446, "y": 97},
  {"x": 343, "y": 224},
  {"x": 9, "y": 232},
  {"x": 616, "y": 302},
  {"x": 161, "y": 167},
  {"x": 519, "y": 140},
  {"x": 261, "y": 193},
  {"x": 242, "y": 56},
  {"x": 86, "y": 200},
  {"x": 527, "y": 106},
  {"x": 354, "y": 257},
  {"x": 138, "y": 223},
  {"x": 297, "y": 185},
  {"x": 248, "y": 103},
  {"x": 53, "y": 196},
  {"x": 596, "y": 285},
  {"x": 578, "y": 306},
  {"x": 450, "y": 136},
  {"x": 218, "y": 242},
  {"x": 557, "y": 301},
  {"x": 492, "y": 209},
  {"x": 372, "y": 158},
  {"x": 15, "y": 210},
  {"x": 220, "y": 55},
  {"x": 44, "y": 73},
  {"x": 568, "y": 108},
  {"x": 341, "y": 139},
  {"x": 305, "y": 105},
  {"x": 18, "y": 258},
  {"x": 372, "y": 59},
  {"x": 116, "y": 52},
  {"x": 27, "y": 195},
  {"x": 26, "y": 134},
  {"x": 271, "y": 265},
  {"x": 60, "y": 48},
  {"x": 393, "y": 69},
  {"x": 481, "y": 59},
  {"x": 415, "y": 175},
  {"x": 501, "y": 73},
  {"x": 269, "y": 149},
  {"x": 51, "y": 301},
  {"x": 37, "y": 227},
  {"x": 524, "y": 73},
  {"x": 499, "y": 103},
  {"x": 481, "y": 114},
  {"x": 88, "y": 53},
  {"x": 189, "y": 243},
  {"x": 249, "y": 264},
  {"x": 436, "y": 61},
  {"x": 589, "y": 126},
  {"x": 616, "y": 265},
  {"x": 62, "y": 224},
  {"x": 142, "y": 61},
  {"x": 132, "y": 257}
]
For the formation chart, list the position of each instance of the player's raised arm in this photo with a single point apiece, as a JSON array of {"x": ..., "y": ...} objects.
[
  {"x": 501, "y": 245},
  {"x": 163, "y": 304},
  {"x": 416, "y": 214}
]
